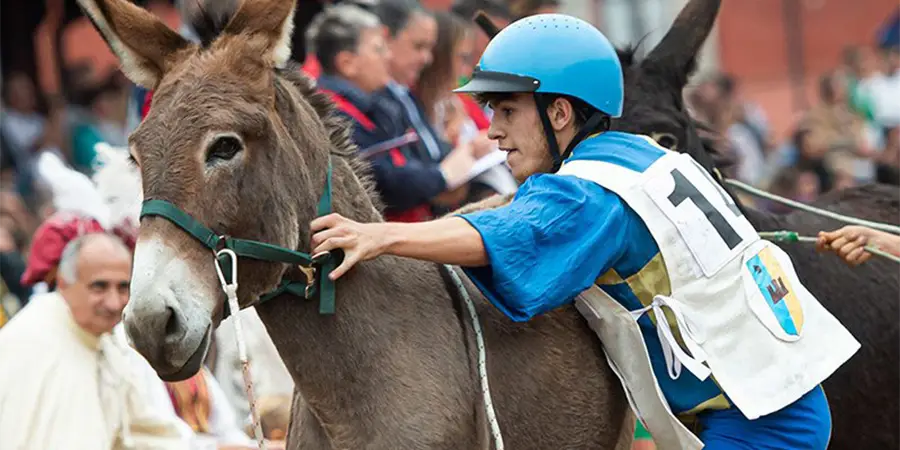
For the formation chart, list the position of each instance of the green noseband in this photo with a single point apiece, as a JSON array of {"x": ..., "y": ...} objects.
[{"x": 321, "y": 264}]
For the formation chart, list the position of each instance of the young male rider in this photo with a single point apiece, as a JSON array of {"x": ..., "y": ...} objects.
[{"x": 649, "y": 226}]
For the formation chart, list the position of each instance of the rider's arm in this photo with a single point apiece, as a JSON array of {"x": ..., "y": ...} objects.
[
  {"x": 537, "y": 253},
  {"x": 552, "y": 242},
  {"x": 447, "y": 241}
]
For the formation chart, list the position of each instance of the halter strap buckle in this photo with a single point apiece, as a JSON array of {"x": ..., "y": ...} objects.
[{"x": 233, "y": 248}]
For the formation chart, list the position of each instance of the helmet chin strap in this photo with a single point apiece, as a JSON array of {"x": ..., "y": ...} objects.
[{"x": 596, "y": 118}]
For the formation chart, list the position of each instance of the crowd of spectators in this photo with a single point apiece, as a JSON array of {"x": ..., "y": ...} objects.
[{"x": 850, "y": 136}]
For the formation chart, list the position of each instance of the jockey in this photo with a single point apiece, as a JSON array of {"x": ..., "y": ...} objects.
[{"x": 648, "y": 232}]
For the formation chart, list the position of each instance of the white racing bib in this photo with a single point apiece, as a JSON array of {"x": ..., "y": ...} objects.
[{"x": 765, "y": 339}]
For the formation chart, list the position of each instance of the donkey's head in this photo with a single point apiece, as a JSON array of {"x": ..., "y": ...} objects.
[
  {"x": 224, "y": 141},
  {"x": 653, "y": 86}
]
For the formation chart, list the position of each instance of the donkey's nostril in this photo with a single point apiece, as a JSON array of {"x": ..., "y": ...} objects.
[{"x": 171, "y": 321}]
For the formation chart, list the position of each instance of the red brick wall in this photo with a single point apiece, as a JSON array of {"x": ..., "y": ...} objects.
[{"x": 753, "y": 47}]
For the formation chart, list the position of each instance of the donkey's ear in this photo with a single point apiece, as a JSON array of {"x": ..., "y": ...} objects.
[
  {"x": 145, "y": 46},
  {"x": 270, "y": 20}
]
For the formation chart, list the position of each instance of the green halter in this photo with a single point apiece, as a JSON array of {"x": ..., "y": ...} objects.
[{"x": 322, "y": 264}]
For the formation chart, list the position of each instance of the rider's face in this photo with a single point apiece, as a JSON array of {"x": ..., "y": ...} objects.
[{"x": 519, "y": 132}]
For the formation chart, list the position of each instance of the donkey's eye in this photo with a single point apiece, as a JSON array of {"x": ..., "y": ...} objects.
[{"x": 223, "y": 148}]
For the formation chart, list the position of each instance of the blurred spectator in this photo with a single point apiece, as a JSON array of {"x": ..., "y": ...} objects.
[
  {"x": 97, "y": 403},
  {"x": 888, "y": 170},
  {"x": 23, "y": 130},
  {"x": 451, "y": 60},
  {"x": 22, "y": 124},
  {"x": 349, "y": 44},
  {"x": 496, "y": 11},
  {"x": 447, "y": 112},
  {"x": 861, "y": 66},
  {"x": 206, "y": 416},
  {"x": 843, "y": 133},
  {"x": 883, "y": 88},
  {"x": 795, "y": 183},
  {"x": 412, "y": 33},
  {"x": 811, "y": 156},
  {"x": 97, "y": 120},
  {"x": 311, "y": 64},
  {"x": 746, "y": 127}
]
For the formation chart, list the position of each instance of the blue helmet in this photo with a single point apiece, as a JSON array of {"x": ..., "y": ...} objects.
[{"x": 552, "y": 53}]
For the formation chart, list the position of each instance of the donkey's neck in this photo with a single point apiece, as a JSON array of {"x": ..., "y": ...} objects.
[
  {"x": 395, "y": 335},
  {"x": 394, "y": 345}
]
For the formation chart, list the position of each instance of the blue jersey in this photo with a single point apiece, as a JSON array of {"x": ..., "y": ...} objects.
[{"x": 560, "y": 234}]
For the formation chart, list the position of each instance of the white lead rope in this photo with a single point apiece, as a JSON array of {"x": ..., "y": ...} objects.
[
  {"x": 231, "y": 292},
  {"x": 482, "y": 365},
  {"x": 811, "y": 209}
]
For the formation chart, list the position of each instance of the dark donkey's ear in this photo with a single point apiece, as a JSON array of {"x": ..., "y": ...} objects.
[
  {"x": 678, "y": 49},
  {"x": 145, "y": 46},
  {"x": 269, "y": 21}
]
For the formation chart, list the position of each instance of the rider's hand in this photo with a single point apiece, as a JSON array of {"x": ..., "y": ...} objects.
[
  {"x": 848, "y": 242},
  {"x": 359, "y": 241}
]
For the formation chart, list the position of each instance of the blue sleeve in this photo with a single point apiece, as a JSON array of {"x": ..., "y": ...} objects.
[{"x": 551, "y": 243}]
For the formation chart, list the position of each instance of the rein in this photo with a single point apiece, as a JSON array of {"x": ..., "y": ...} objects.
[
  {"x": 793, "y": 236},
  {"x": 316, "y": 267},
  {"x": 448, "y": 273}
]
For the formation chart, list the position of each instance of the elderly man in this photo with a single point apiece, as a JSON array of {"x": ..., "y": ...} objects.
[
  {"x": 65, "y": 381},
  {"x": 204, "y": 416}
]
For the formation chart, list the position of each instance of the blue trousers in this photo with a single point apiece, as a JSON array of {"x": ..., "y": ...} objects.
[{"x": 802, "y": 425}]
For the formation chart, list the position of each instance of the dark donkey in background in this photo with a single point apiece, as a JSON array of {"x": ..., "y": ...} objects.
[{"x": 865, "y": 393}]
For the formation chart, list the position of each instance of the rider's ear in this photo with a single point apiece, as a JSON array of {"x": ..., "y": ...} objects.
[{"x": 561, "y": 114}]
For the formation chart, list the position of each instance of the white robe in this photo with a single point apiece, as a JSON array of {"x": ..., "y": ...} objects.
[{"x": 61, "y": 387}]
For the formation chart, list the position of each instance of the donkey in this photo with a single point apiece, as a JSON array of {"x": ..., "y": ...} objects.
[
  {"x": 237, "y": 138},
  {"x": 864, "y": 394}
]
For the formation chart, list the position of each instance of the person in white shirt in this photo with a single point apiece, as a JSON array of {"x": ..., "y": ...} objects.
[{"x": 65, "y": 381}]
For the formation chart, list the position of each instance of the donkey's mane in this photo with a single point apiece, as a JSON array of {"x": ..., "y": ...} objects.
[{"x": 338, "y": 127}]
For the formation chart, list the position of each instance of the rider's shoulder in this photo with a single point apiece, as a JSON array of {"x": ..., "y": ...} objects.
[
  {"x": 565, "y": 191},
  {"x": 612, "y": 139},
  {"x": 632, "y": 151}
]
